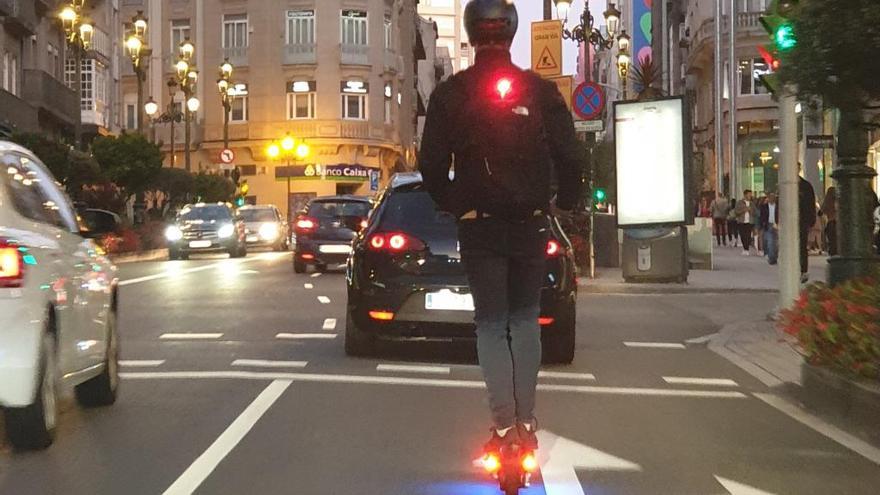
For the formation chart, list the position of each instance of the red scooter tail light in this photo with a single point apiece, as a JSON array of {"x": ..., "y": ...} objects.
[
  {"x": 553, "y": 248},
  {"x": 530, "y": 463},
  {"x": 491, "y": 463}
]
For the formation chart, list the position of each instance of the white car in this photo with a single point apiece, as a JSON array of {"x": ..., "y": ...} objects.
[{"x": 57, "y": 304}]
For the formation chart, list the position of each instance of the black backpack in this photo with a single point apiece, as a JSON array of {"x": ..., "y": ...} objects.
[{"x": 502, "y": 162}]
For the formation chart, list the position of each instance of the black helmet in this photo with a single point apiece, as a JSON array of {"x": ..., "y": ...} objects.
[{"x": 490, "y": 21}]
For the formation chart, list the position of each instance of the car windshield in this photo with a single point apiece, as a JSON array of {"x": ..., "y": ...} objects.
[
  {"x": 416, "y": 213},
  {"x": 204, "y": 213},
  {"x": 257, "y": 215},
  {"x": 338, "y": 209}
]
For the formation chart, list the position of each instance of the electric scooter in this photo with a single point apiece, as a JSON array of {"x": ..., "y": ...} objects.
[{"x": 513, "y": 467}]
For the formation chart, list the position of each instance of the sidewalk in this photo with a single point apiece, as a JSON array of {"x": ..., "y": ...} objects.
[
  {"x": 762, "y": 350},
  {"x": 732, "y": 273}
]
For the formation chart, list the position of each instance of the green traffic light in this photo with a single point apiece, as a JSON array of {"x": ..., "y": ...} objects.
[
  {"x": 239, "y": 201},
  {"x": 600, "y": 195},
  {"x": 784, "y": 37}
]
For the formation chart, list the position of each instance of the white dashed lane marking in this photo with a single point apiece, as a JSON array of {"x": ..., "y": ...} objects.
[
  {"x": 412, "y": 368},
  {"x": 308, "y": 286},
  {"x": 141, "y": 363},
  {"x": 329, "y": 324},
  {"x": 324, "y": 299},
  {"x": 566, "y": 376},
  {"x": 316, "y": 275},
  {"x": 190, "y": 336},
  {"x": 655, "y": 345},
  {"x": 263, "y": 363},
  {"x": 295, "y": 336},
  {"x": 685, "y": 380}
]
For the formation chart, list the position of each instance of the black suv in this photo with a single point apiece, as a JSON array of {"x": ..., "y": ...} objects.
[
  {"x": 324, "y": 230},
  {"x": 406, "y": 280},
  {"x": 205, "y": 228}
]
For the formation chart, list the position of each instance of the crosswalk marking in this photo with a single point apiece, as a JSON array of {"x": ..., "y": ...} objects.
[
  {"x": 566, "y": 375},
  {"x": 412, "y": 368},
  {"x": 324, "y": 299},
  {"x": 685, "y": 380},
  {"x": 329, "y": 324},
  {"x": 294, "y": 336},
  {"x": 190, "y": 336},
  {"x": 264, "y": 363},
  {"x": 655, "y": 345}
]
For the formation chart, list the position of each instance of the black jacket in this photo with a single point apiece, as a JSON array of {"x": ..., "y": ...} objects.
[
  {"x": 806, "y": 204},
  {"x": 764, "y": 216},
  {"x": 446, "y": 132}
]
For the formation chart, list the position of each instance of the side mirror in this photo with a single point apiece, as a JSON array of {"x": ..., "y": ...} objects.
[{"x": 95, "y": 224}]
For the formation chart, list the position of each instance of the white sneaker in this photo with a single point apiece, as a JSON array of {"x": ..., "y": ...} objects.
[
  {"x": 760, "y": 253},
  {"x": 745, "y": 253}
]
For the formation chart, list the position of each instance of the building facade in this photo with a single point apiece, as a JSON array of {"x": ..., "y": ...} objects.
[
  {"x": 452, "y": 41},
  {"x": 102, "y": 110},
  {"x": 33, "y": 97},
  {"x": 338, "y": 75}
]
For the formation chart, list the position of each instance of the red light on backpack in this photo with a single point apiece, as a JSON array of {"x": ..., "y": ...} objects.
[
  {"x": 503, "y": 87},
  {"x": 553, "y": 248}
]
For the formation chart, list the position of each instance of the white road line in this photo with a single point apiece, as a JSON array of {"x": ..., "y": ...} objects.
[
  {"x": 413, "y": 368},
  {"x": 141, "y": 363},
  {"x": 190, "y": 336},
  {"x": 294, "y": 336},
  {"x": 685, "y": 380},
  {"x": 655, "y": 345},
  {"x": 316, "y": 274},
  {"x": 175, "y": 272},
  {"x": 329, "y": 324},
  {"x": 196, "y": 474},
  {"x": 324, "y": 299},
  {"x": 702, "y": 340},
  {"x": 423, "y": 382},
  {"x": 308, "y": 286},
  {"x": 851, "y": 442},
  {"x": 263, "y": 363},
  {"x": 566, "y": 376}
]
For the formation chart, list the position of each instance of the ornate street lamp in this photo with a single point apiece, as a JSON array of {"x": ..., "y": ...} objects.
[
  {"x": 585, "y": 30},
  {"x": 79, "y": 31},
  {"x": 223, "y": 86},
  {"x": 291, "y": 150},
  {"x": 187, "y": 77},
  {"x": 139, "y": 53}
]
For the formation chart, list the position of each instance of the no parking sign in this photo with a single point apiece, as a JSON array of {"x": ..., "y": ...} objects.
[{"x": 588, "y": 100}]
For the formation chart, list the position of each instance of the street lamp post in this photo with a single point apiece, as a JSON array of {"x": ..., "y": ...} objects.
[
  {"x": 170, "y": 115},
  {"x": 223, "y": 86},
  {"x": 290, "y": 149},
  {"x": 78, "y": 31},
  {"x": 187, "y": 77},
  {"x": 586, "y": 32},
  {"x": 139, "y": 53},
  {"x": 623, "y": 60}
]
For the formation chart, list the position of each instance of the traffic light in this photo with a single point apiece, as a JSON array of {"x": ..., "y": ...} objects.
[
  {"x": 242, "y": 193},
  {"x": 777, "y": 21},
  {"x": 599, "y": 195}
]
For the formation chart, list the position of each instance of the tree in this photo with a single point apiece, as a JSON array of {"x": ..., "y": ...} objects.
[
  {"x": 647, "y": 77},
  {"x": 175, "y": 183},
  {"x": 128, "y": 160},
  {"x": 210, "y": 188},
  {"x": 73, "y": 169}
]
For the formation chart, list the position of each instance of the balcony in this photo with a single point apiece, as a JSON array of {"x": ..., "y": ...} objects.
[
  {"x": 101, "y": 47},
  {"x": 354, "y": 54},
  {"x": 393, "y": 63},
  {"x": 19, "y": 16},
  {"x": 237, "y": 55},
  {"x": 50, "y": 96},
  {"x": 299, "y": 54},
  {"x": 20, "y": 114}
]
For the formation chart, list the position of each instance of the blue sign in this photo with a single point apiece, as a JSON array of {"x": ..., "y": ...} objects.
[
  {"x": 374, "y": 180},
  {"x": 588, "y": 100}
]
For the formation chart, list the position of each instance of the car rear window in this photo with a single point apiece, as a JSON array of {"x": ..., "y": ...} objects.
[
  {"x": 338, "y": 209},
  {"x": 414, "y": 212},
  {"x": 207, "y": 213},
  {"x": 257, "y": 215}
]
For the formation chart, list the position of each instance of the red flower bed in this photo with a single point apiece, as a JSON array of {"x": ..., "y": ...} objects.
[{"x": 839, "y": 327}]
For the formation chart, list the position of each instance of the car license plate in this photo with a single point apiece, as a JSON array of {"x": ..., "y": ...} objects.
[
  {"x": 448, "y": 300},
  {"x": 199, "y": 244},
  {"x": 252, "y": 238},
  {"x": 335, "y": 248}
]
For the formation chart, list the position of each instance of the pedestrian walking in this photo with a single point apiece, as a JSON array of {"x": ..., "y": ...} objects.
[
  {"x": 720, "y": 208},
  {"x": 768, "y": 221},
  {"x": 746, "y": 215},
  {"x": 807, "y": 214},
  {"x": 758, "y": 231},
  {"x": 829, "y": 211}
]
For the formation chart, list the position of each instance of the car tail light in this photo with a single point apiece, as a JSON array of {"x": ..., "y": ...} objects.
[
  {"x": 545, "y": 320},
  {"x": 11, "y": 265},
  {"x": 395, "y": 242},
  {"x": 305, "y": 224},
  {"x": 553, "y": 248},
  {"x": 307, "y": 256},
  {"x": 381, "y": 315}
]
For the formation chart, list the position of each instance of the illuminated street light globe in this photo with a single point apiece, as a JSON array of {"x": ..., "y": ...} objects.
[
  {"x": 193, "y": 104},
  {"x": 302, "y": 150},
  {"x": 226, "y": 69},
  {"x": 562, "y": 8},
  {"x": 68, "y": 18},
  {"x": 187, "y": 49},
  {"x": 134, "y": 45},
  {"x": 288, "y": 143},
  {"x": 151, "y": 107},
  {"x": 222, "y": 86},
  {"x": 182, "y": 67},
  {"x": 623, "y": 41},
  {"x": 140, "y": 24},
  {"x": 86, "y": 32},
  {"x": 273, "y": 150},
  {"x": 612, "y": 20}
]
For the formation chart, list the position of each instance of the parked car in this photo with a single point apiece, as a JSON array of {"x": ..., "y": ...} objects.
[
  {"x": 206, "y": 228},
  {"x": 406, "y": 281},
  {"x": 265, "y": 227},
  {"x": 58, "y": 303},
  {"x": 324, "y": 230}
]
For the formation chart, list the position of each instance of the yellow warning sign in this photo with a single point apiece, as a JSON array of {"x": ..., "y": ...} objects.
[
  {"x": 566, "y": 87},
  {"x": 547, "y": 48}
]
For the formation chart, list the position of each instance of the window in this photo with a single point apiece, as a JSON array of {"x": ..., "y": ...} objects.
[
  {"x": 354, "y": 100},
  {"x": 301, "y": 97},
  {"x": 7, "y": 62},
  {"x": 22, "y": 188},
  {"x": 752, "y": 5},
  {"x": 180, "y": 30},
  {"x": 388, "y": 92},
  {"x": 354, "y": 27},
  {"x": 238, "y": 103},
  {"x": 130, "y": 116},
  {"x": 88, "y": 97},
  {"x": 235, "y": 31},
  {"x": 750, "y": 72},
  {"x": 300, "y": 27},
  {"x": 13, "y": 76},
  {"x": 54, "y": 58},
  {"x": 388, "y": 32}
]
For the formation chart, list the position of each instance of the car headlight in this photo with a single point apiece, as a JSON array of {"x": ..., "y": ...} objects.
[
  {"x": 269, "y": 231},
  {"x": 173, "y": 233},
  {"x": 226, "y": 231}
]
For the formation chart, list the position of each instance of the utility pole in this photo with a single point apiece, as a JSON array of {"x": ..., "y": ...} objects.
[
  {"x": 789, "y": 221},
  {"x": 733, "y": 65},
  {"x": 719, "y": 111},
  {"x": 548, "y": 10}
]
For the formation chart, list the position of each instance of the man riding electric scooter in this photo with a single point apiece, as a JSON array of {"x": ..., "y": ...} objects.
[{"x": 494, "y": 139}]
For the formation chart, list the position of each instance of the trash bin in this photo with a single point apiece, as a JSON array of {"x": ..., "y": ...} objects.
[{"x": 655, "y": 255}]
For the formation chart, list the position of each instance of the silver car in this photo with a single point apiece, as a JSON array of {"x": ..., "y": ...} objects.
[{"x": 264, "y": 226}]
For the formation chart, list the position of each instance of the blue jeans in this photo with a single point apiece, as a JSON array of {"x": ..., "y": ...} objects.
[
  {"x": 771, "y": 244},
  {"x": 505, "y": 265}
]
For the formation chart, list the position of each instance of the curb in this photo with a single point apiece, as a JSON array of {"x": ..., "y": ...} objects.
[
  {"x": 152, "y": 255},
  {"x": 849, "y": 403},
  {"x": 619, "y": 288}
]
